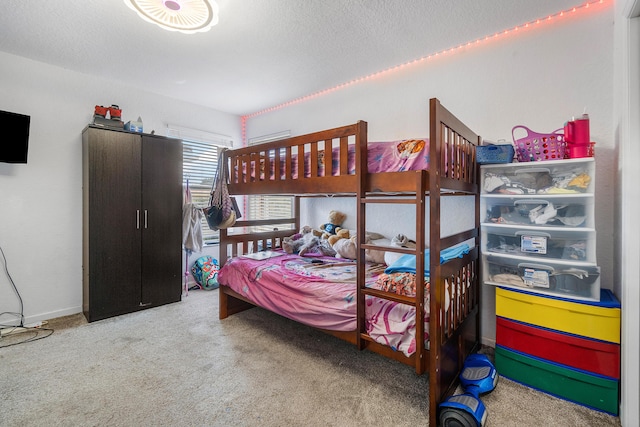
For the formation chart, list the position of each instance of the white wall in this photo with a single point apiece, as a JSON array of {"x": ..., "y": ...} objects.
[
  {"x": 539, "y": 78},
  {"x": 41, "y": 202}
]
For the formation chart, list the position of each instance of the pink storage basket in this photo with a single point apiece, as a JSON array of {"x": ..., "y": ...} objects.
[{"x": 535, "y": 147}]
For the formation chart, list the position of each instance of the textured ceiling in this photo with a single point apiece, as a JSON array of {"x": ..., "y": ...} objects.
[{"x": 262, "y": 52}]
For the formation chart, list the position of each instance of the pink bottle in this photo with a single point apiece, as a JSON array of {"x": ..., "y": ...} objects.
[{"x": 576, "y": 135}]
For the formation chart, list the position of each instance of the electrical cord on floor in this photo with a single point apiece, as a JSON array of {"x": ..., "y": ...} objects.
[
  {"x": 32, "y": 337},
  {"x": 21, "y": 329},
  {"x": 13, "y": 284}
]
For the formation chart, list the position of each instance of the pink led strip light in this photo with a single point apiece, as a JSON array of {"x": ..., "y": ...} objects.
[{"x": 505, "y": 33}]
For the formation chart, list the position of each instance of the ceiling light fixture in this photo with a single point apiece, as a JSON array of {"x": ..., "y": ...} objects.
[{"x": 185, "y": 16}]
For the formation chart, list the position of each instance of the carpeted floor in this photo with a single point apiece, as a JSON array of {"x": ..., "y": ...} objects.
[{"x": 178, "y": 365}]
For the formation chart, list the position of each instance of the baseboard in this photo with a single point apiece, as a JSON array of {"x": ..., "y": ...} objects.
[
  {"x": 28, "y": 320},
  {"x": 488, "y": 342}
]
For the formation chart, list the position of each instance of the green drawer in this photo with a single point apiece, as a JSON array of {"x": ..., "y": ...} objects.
[{"x": 570, "y": 384}]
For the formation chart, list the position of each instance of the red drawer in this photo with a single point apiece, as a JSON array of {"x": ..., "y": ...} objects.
[{"x": 589, "y": 355}]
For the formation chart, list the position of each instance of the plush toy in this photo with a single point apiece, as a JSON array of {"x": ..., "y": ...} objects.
[
  {"x": 341, "y": 233},
  {"x": 336, "y": 219},
  {"x": 316, "y": 245},
  {"x": 293, "y": 243},
  {"x": 374, "y": 255},
  {"x": 306, "y": 242},
  {"x": 399, "y": 240},
  {"x": 345, "y": 245},
  {"x": 346, "y": 248}
]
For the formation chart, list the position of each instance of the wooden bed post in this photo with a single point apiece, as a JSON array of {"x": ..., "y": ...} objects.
[
  {"x": 436, "y": 285},
  {"x": 478, "y": 265},
  {"x": 361, "y": 173},
  {"x": 223, "y": 301},
  {"x": 222, "y": 297},
  {"x": 296, "y": 213},
  {"x": 454, "y": 327},
  {"x": 421, "y": 206}
]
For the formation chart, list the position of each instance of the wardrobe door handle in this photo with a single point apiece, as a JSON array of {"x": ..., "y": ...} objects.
[
  {"x": 137, "y": 219},
  {"x": 145, "y": 218}
]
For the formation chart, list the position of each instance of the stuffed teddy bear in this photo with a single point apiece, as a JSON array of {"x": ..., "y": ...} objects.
[
  {"x": 341, "y": 233},
  {"x": 336, "y": 219},
  {"x": 343, "y": 243}
]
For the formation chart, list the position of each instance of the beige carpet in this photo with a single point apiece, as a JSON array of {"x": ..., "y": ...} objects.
[{"x": 178, "y": 365}]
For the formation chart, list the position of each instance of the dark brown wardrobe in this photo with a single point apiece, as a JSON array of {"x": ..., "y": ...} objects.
[{"x": 132, "y": 221}]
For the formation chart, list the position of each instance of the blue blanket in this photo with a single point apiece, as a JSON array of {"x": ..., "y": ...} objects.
[{"x": 407, "y": 263}]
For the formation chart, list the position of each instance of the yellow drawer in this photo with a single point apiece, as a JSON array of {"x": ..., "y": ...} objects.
[{"x": 597, "y": 320}]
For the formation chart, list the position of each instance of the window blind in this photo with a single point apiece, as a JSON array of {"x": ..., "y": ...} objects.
[{"x": 200, "y": 154}]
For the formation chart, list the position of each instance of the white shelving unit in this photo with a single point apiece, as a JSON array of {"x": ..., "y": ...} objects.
[{"x": 538, "y": 230}]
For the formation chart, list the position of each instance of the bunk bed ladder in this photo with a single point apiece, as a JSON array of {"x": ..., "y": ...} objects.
[{"x": 419, "y": 200}]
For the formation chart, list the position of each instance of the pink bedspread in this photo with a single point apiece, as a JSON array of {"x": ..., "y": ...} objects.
[
  {"x": 398, "y": 156},
  {"x": 394, "y": 156},
  {"x": 321, "y": 292}
]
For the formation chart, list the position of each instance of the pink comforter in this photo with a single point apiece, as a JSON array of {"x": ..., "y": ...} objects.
[
  {"x": 394, "y": 156},
  {"x": 321, "y": 292}
]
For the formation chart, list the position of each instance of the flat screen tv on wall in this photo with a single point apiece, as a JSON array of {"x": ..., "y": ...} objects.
[{"x": 14, "y": 137}]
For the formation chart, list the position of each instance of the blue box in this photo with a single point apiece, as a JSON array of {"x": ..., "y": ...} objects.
[
  {"x": 488, "y": 154},
  {"x": 133, "y": 126}
]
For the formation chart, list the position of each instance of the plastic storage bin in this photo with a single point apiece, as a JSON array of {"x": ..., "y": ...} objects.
[
  {"x": 577, "y": 386},
  {"x": 597, "y": 320},
  {"x": 594, "y": 356},
  {"x": 549, "y": 277},
  {"x": 536, "y": 210},
  {"x": 569, "y": 176},
  {"x": 568, "y": 244},
  {"x": 534, "y": 146},
  {"x": 488, "y": 154}
]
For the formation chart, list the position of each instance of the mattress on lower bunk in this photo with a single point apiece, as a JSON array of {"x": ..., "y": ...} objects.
[
  {"x": 394, "y": 156},
  {"x": 321, "y": 292}
]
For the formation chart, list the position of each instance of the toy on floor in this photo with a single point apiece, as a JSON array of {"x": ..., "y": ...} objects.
[
  {"x": 205, "y": 272},
  {"x": 478, "y": 377}
]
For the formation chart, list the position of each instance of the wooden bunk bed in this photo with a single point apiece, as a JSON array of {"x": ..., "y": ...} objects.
[{"x": 454, "y": 291}]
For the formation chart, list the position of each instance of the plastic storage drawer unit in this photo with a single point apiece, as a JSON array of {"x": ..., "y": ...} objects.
[
  {"x": 577, "y": 386},
  {"x": 566, "y": 177},
  {"x": 594, "y": 356},
  {"x": 597, "y": 320},
  {"x": 563, "y": 244},
  {"x": 539, "y": 211},
  {"x": 549, "y": 276}
]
